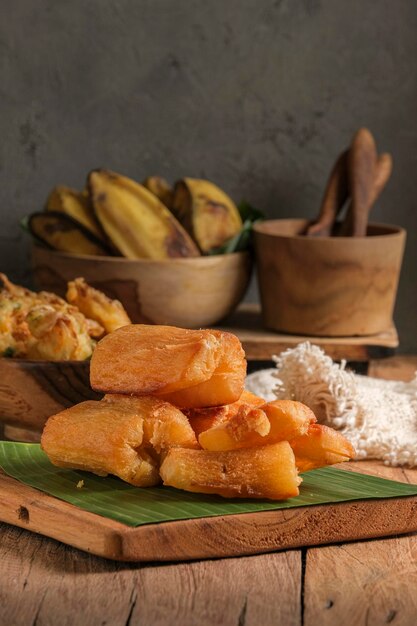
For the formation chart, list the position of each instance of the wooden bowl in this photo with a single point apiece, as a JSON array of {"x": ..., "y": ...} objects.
[
  {"x": 32, "y": 391},
  {"x": 327, "y": 286},
  {"x": 191, "y": 292}
]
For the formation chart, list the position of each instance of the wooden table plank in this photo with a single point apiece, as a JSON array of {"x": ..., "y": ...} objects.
[
  {"x": 365, "y": 583},
  {"x": 248, "y": 591},
  {"x": 45, "y": 583},
  {"x": 260, "y": 343}
]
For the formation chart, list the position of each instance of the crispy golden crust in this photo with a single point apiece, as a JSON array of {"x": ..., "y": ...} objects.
[
  {"x": 118, "y": 435},
  {"x": 41, "y": 325},
  {"x": 205, "y": 418},
  {"x": 320, "y": 446},
  {"x": 266, "y": 472},
  {"x": 261, "y": 425},
  {"x": 185, "y": 367},
  {"x": 226, "y": 383},
  {"x": 96, "y": 306}
]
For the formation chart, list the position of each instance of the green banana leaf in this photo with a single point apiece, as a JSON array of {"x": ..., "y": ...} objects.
[{"x": 112, "y": 498}]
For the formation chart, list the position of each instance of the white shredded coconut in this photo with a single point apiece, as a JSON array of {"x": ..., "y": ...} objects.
[{"x": 379, "y": 417}]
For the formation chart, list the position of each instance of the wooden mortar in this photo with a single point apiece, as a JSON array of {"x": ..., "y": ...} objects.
[{"x": 327, "y": 286}]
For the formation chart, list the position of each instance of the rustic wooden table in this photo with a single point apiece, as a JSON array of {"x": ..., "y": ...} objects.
[{"x": 43, "y": 582}]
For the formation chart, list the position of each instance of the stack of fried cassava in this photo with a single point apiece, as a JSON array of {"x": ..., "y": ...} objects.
[{"x": 175, "y": 411}]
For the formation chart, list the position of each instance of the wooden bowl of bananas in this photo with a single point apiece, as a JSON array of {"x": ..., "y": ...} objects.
[{"x": 171, "y": 255}]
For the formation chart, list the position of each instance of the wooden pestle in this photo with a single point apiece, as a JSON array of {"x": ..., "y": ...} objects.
[
  {"x": 335, "y": 196},
  {"x": 362, "y": 162},
  {"x": 383, "y": 172},
  {"x": 358, "y": 172}
]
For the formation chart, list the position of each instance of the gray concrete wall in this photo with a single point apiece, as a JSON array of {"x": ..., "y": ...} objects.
[{"x": 257, "y": 95}]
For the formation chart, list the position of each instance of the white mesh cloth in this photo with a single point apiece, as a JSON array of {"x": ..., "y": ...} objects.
[{"x": 379, "y": 417}]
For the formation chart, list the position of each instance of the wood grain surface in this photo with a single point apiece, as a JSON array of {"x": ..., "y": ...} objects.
[
  {"x": 58, "y": 585},
  {"x": 382, "y": 582},
  {"x": 230, "y": 535}
]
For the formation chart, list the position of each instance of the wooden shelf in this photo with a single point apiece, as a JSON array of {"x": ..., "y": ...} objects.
[{"x": 260, "y": 344}]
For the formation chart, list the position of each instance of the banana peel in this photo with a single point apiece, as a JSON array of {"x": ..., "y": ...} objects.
[
  {"x": 160, "y": 188},
  {"x": 61, "y": 232},
  {"x": 76, "y": 205},
  {"x": 135, "y": 220},
  {"x": 206, "y": 212}
]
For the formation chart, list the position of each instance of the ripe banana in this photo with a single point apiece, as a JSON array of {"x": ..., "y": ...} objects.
[
  {"x": 76, "y": 205},
  {"x": 206, "y": 212},
  {"x": 135, "y": 220}
]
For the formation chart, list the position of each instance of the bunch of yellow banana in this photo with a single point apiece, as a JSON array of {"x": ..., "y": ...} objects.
[{"x": 115, "y": 215}]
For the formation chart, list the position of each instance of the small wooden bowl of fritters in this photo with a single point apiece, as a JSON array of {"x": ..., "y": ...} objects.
[{"x": 45, "y": 346}]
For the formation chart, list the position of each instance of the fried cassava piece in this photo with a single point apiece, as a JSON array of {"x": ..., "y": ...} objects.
[
  {"x": 189, "y": 368},
  {"x": 75, "y": 204},
  {"x": 135, "y": 220},
  {"x": 61, "y": 232},
  {"x": 117, "y": 435},
  {"x": 204, "y": 419},
  {"x": 249, "y": 426},
  {"x": 206, "y": 212},
  {"x": 320, "y": 446},
  {"x": 266, "y": 472}
]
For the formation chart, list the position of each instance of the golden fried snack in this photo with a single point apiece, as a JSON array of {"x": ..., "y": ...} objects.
[
  {"x": 119, "y": 436},
  {"x": 251, "y": 426},
  {"x": 247, "y": 428},
  {"x": 164, "y": 426},
  {"x": 60, "y": 336},
  {"x": 110, "y": 314},
  {"x": 41, "y": 325},
  {"x": 202, "y": 367},
  {"x": 205, "y": 418},
  {"x": 225, "y": 386},
  {"x": 267, "y": 472},
  {"x": 321, "y": 446},
  {"x": 288, "y": 418},
  {"x": 95, "y": 329}
]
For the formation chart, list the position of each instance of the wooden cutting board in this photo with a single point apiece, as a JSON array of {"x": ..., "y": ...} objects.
[{"x": 231, "y": 535}]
